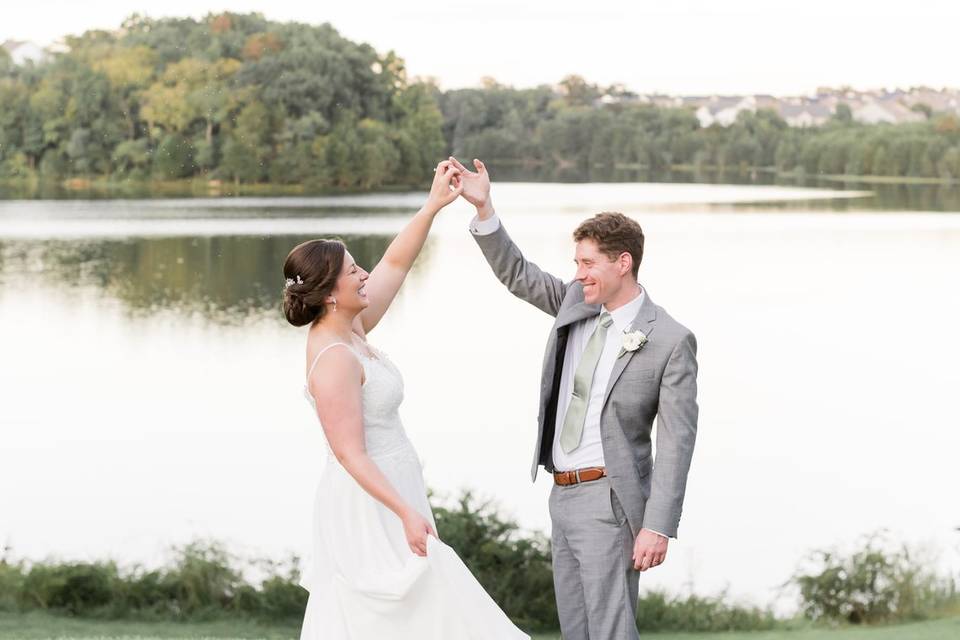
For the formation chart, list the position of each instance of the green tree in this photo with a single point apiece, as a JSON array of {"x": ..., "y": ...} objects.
[
  {"x": 173, "y": 157},
  {"x": 131, "y": 158},
  {"x": 419, "y": 139},
  {"x": 577, "y": 92},
  {"x": 248, "y": 149},
  {"x": 843, "y": 113}
]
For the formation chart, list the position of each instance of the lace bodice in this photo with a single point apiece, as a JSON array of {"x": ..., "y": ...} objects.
[{"x": 382, "y": 394}]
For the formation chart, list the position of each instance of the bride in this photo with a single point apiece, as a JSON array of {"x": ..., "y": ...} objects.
[{"x": 378, "y": 568}]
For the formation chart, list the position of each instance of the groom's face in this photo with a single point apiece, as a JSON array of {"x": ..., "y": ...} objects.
[{"x": 600, "y": 275}]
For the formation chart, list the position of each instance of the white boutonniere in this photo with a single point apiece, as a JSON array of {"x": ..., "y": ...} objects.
[{"x": 632, "y": 341}]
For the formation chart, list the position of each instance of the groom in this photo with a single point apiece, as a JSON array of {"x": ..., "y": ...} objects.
[{"x": 614, "y": 361}]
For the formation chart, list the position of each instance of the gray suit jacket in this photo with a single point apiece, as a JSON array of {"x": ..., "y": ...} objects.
[{"x": 659, "y": 379}]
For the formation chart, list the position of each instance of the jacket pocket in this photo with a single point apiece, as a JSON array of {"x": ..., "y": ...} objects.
[{"x": 616, "y": 509}]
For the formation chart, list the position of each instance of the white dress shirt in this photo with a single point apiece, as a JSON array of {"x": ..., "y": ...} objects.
[
  {"x": 480, "y": 227},
  {"x": 590, "y": 451}
]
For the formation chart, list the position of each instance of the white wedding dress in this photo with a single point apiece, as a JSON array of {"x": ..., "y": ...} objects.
[{"x": 364, "y": 581}]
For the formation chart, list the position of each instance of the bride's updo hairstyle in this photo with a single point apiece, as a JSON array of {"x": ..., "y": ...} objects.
[{"x": 310, "y": 272}]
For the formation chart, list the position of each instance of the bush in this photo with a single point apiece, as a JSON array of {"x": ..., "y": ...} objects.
[
  {"x": 77, "y": 589},
  {"x": 878, "y": 583},
  {"x": 203, "y": 582},
  {"x": 203, "y": 579},
  {"x": 11, "y": 584},
  {"x": 281, "y": 598},
  {"x": 145, "y": 594},
  {"x": 658, "y": 611}
]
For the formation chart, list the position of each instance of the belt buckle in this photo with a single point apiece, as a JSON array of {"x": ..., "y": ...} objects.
[{"x": 577, "y": 473}]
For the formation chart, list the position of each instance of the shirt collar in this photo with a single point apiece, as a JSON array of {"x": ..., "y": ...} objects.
[{"x": 623, "y": 316}]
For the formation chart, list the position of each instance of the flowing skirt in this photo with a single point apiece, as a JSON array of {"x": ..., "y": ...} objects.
[{"x": 366, "y": 584}]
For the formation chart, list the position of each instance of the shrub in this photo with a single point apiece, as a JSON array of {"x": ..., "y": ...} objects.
[
  {"x": 203, "y": 579},
  {"x": 878, "y": 583},
  {"x": 76, "y": 588},
  {"x": 659, "y": 611},
  {"x": 11, "y": 584}
]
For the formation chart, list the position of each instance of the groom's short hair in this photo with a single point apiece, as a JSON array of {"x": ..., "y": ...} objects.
[{"x": 614, "y": 233}]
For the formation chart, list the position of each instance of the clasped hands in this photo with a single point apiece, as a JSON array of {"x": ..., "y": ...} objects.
[{"x": 451, "y": 180}]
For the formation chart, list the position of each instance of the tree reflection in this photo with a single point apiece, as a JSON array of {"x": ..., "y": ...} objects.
[{"x": 225, "y": 279}]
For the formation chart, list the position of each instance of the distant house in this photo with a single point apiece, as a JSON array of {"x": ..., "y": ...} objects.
[
  {"x": 889, "y": 111},
  {"x": 723, "y": 110},
  {"x": 809, "y": 114},
  {"x": 939, "y": 101},
  {"x": 871, "y": 107},
  {"x": 22, "y": 52}
]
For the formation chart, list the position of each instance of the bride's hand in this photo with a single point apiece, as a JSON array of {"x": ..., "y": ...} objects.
[
  {"x": 417, "y": 528},
  {"x": 446, "y": 186}
]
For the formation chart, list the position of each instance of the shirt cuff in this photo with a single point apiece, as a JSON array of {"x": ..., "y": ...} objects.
[
  {"x": 657, "y": 532},
  {"x": 480, "y": 227}
]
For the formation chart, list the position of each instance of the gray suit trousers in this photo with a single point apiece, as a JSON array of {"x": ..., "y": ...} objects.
[{"x": 593, "y": 572}]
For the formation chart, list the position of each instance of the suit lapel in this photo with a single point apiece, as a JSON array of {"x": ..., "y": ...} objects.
[
  {"x": 644, "y": 321},
  {"x": 561, "y": 329},
  {"x": 550, "y": 380},
  {"x": 579, "y": 311}
]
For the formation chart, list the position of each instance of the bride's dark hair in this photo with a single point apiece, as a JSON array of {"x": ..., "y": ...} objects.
[{"x": 310, "y": 271}]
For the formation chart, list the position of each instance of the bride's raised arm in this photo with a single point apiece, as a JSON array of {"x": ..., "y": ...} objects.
[{"x": 391, "y": 271}]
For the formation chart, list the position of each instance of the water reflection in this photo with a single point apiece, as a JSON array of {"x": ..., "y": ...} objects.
[
  {"x": 226, "y": 279},
  {"x": 887, "y": 197}
]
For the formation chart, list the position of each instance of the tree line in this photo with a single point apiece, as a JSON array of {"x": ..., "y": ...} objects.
[
  {"x": 240, "y": 98},
  {"x": 231, "y": 96},
  {"x": 566, "y": 126}
]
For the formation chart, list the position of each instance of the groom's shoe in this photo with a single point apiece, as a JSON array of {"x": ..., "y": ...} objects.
[{"x": 566, "y": 478}]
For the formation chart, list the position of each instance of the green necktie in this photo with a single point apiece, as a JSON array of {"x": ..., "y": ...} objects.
[{"x": 572, "y": 430}]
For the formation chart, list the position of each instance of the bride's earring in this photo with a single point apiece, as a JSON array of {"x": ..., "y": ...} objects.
[{"x": 334, "y": 304}]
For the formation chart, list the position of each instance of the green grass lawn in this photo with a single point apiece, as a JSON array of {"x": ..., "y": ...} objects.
[{"x": 37, "y": 626}]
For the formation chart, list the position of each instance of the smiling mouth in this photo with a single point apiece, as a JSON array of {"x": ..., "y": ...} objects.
[{"x": 362, "y": 291}]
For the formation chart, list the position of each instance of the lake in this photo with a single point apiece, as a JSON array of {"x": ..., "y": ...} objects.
[{"x": 152, "y": 393}]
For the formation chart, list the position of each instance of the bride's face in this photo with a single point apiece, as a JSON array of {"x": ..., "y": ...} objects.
[{"x": 351, "y": 288}]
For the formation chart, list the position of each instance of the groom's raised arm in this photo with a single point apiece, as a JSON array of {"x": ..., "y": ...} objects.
[{"x": 522, "y": 278}]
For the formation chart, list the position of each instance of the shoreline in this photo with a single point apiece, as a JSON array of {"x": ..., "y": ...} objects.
[{"x": 99, "y": 187}]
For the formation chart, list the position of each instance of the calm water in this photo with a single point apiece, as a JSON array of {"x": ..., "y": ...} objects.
[{"x": 151, "y": 392}]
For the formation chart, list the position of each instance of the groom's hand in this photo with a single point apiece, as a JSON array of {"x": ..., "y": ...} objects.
[
  {"x": 476, "y": 186},
  {"x": 649, "y": 550}
]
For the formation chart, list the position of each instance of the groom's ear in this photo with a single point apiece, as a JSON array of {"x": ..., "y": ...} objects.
[{"x": 625, "y": 260}]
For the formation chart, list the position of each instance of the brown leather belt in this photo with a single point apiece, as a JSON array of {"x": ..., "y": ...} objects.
[{"x": 566, "y": 478}]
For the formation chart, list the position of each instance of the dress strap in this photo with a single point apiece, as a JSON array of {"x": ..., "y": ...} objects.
[{"x": 323, "y": 351}]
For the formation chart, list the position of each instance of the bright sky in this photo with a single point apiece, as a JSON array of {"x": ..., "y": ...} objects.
[{"x": 672, "y": 46}]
